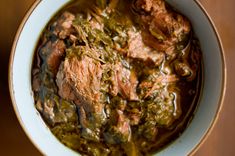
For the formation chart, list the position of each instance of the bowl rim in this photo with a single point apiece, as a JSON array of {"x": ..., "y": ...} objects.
[
  {"x": 224, "y": 80},
  {"x": 222, "y": 92},
  {"x": 10, "y": 72}
]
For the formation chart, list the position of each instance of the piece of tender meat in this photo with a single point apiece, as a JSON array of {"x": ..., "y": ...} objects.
[
  {"x": 138, "y": 49},
  {"x": 145, "y": 5},
  {"x": 83, "y": 76},
  {"x": 127, "y": 83},
  {"x": 166, "y": 31},
  {"x": 170, "y": 24},
  {"x": 54, "y": 53},
  {"x": 78, "y": 80},
  {"x": 63, "y": 26},
  {"x": 123, "y": 126},
  {"x": 57, "y": 111},
  {"x": 163, "y": 28},
  {"x": 120, "y": 131},
  {"x": 123, "y": 81},
  {"x": 90, "y": 129},
  {"x": 150, "y": 5}
]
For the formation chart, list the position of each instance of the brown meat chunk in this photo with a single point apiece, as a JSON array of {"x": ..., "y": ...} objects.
[
  {"x": 123, "y": 126},
  {"x": 138, "y": 49},
  {"x": 120, "y": 131},
  {"x": 123, "y": 81},
  {"x": 151, "y": 5},
  {"x": 56, "y": 110},
  {"x": 83, "y": 76},
  {"x": 127, "y": 83},
  {"x": 165, "y": 28},
  {"x": 145, "y": 5},
  {"x": 78, "y": 80},
  {"x": 55, "y": 52},
  {"x": 63, "y": 26}
]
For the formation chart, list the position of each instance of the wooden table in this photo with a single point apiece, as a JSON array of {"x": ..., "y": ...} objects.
[{"x": 13, "y": 141}]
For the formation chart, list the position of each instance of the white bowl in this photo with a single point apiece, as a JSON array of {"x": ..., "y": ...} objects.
[{"x": 214, "y": 79}]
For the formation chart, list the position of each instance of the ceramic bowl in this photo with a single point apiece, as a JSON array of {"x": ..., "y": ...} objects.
[{"x": 212, "y": 95}]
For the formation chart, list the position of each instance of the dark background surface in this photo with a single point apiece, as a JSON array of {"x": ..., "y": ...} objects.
[{"x": 13, "y": 140}]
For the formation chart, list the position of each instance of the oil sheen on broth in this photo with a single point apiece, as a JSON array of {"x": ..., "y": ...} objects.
[{"x": 117, "y": 77}]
